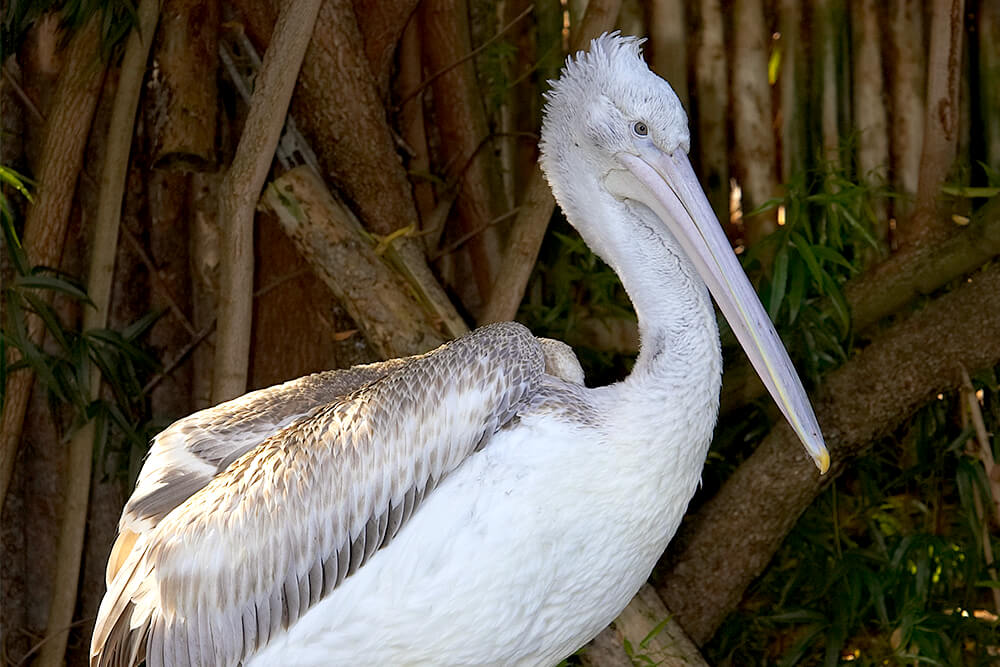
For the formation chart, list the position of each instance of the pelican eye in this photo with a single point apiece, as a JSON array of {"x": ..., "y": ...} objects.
[{"x": 640, "y": 128}]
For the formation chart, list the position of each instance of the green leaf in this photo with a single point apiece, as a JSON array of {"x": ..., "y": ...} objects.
[
  {"x": 54, "y": 284},
  {"x": 806, "y": 252},
  {"x": 779, "y": 282},
  {"x": 797, "y": 289},
  {"x": 969, "y": 192}
]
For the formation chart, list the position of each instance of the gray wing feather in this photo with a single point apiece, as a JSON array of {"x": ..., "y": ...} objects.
[
  {"x": 185, "y": 457},
  {"x": 351, "y": 472}
]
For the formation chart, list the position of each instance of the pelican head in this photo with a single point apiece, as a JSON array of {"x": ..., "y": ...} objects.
[{"x": 613, "y": 128}]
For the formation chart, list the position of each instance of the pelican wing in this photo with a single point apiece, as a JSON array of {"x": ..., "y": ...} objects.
[
  {"x": 189, "y": 453},
  {"x": 286, "y": 522}
]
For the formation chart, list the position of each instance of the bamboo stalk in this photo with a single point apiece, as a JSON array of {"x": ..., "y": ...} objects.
[
  {"x": 941, "y": 119},
  {"x": 60, "y": 162},
  {"x": 907, "y": 70},
  {"x": 668, "y": 31},
  {"x": 753, "y": 117},
  {"x": 241, "y": 189},
  {"x": 711, "y": 90},
  {"x": 184, "y": 93},
  {"x": 102, "y": 263},
  {"x": 869, "y": 104}
]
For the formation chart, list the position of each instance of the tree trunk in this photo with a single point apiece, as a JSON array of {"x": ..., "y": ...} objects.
[
  {"x": 102, "y": 263},
  {"x": 241, "y": 190},
  {"x": 329, "y": 237},
  {"x": 753, "y": 119},
  {"x": 45, "y": 227},
  {"x": 467, "y": 152},
  {"x": 182, "y": 131},
  {"x": 907, "y": 48},
  {"x": 869, "y": 104},
  {"x": 711, "y": 104},
  {"x": 941, "y": 120},
  {"x": 668, "y": 30},
  {"x": 792, "y": 82}
]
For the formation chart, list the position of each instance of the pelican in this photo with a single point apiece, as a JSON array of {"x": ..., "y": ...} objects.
[{"x": 476, "y": 504}]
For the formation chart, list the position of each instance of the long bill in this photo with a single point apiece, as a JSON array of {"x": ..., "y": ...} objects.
[{"x": 678, "y": 199}]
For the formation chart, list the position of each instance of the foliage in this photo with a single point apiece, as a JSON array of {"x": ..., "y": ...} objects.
[
  {"x": 887, "y": 566},
  {"x": 118, "y": 17},
  {"x": 62, "y": 366},
  {"x": 799, "y": 270}
]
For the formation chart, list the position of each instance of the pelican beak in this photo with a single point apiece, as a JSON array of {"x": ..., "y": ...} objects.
[{"x": 670, "y": 188}]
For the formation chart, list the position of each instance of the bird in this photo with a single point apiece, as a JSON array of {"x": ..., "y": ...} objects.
[{"x": 476, "y": 504}]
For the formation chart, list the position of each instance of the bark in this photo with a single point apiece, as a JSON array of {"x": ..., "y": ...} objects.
[
  {"x": 333, "y": 242},
  {"x": 654, "y": 636},
  {"x": 869, "y": 104},
  {"x": 792, "y": 80},
  {"x": 182, "y": 131},
  {"x": 828, "y": 17},
  {"x": 907, "y": 49},
  {"x": 989, "y": 78},
  {"x": 289, "y": 298},
  {"x": 537, "y": 205},
  {"x": 911, "y": 362},
  {"x": 889, "y": 286},
  {"x": 241, "y": 190},
  {"x": 382, "y": 23},
  {"x": 338, "y": 108},
  {"x": 411, "y": 122},
  {"x": 941, "y": 119},
  {"x": 466, "y": 150},
  {"x": 753, "y": 118},
  {"x": 102, "y": 263},
  {"x": 668, "y": 30},
  {"x": 711, "y": 102},
  {"x": 204, "y": 251},
  {"x": 45, "y": 227}
]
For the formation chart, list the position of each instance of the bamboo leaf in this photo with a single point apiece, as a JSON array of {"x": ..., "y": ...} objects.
[
  {"x": 779, "y": 282},
  {"x": 52, "y": 283},
  {"x": 806, "y": 252}
]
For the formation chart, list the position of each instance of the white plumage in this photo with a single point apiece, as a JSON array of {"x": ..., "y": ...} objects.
[{"x": 477, "y": 504}]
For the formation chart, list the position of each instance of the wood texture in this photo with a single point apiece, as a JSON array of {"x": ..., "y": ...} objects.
[
  {"x": 61, "y": 158},
  {"x": 241, "y": 189},
  {"x": 333, "y": 243},
  {"x": 182, "y": 132},
  {"x": 753, "y": 117}
]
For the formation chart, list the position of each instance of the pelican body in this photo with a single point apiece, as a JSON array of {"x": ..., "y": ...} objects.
[{"x": 475, "y": 505}]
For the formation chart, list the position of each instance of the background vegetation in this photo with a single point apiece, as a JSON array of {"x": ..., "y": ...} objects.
[{"x": 852, "y": 149}]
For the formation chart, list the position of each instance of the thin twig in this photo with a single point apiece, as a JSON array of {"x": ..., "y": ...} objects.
[
  {"x": 462, "y": 240},
  {"x": 179, "y": 359},
  {"x": 37, "y": 647},
  {"x": 25, "y": 98},
  {"x": 158, "y": 283},
  {"x": 471, "y": 54},
  {"x": 974, "y": 413}
]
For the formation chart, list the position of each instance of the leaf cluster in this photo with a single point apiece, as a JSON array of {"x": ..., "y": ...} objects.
[
  {"x": 117, "y": 19},
  {"x": 887, "y": 567},
  {"x": 62, "y": 367}
]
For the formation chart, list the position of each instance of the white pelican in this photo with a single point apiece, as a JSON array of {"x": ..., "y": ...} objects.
[{"x": 463, "y": 506}]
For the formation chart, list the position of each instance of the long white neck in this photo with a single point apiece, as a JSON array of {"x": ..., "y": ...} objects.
[{"x": 671, "y": 398}]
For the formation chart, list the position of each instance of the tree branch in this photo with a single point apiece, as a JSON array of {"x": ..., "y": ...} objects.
[
  {"x": 333, "y": 243},
  {"x": 241, "y": 190},
  {"x": 102, "y": 265},
  {"x": 723, "y": 547},
  {"x": 61, "y": 160}
]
